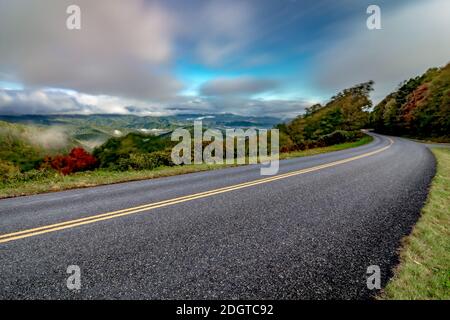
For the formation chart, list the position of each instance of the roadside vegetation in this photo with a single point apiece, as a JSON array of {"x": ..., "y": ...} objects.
[
  {"x": 420, "y": 108},
  {"x": 424, "y": 269},
  {"x": 51, "y": 180},
  {"x": 338, "y": 121},
  {"x": 336, "y": 147}
]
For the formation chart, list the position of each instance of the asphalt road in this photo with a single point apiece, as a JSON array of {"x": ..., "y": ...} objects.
[{"x": 305, "y": 236}]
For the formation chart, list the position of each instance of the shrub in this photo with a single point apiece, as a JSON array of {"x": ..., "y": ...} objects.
[
  {"x": 286, "y": 143},
  {"x": 161, "y": 158},
  {"x": 339, "y": 136},
  {"x": 37, "y": 174},
  {"x": 8, "y": 171},
  {"x": 144, "y": 161},
  {"x": 77, "y": 160},
  {"x": 115, "y": 149}
]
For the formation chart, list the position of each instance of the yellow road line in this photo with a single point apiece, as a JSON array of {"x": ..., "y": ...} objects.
[{"x": 124, "y": 212}]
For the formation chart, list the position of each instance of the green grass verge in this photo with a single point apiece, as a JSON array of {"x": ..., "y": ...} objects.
[
  {"x": 103, "y": 177},
  {"x": 424, "y": 269},
  {"x": 443, "y": 140},
  {"x": 310, "y": 152}
]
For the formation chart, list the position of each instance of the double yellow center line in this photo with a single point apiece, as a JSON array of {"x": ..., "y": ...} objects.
[{"x": 147, "y": 207}]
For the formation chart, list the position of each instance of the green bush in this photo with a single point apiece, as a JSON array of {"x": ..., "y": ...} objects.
[
  {"x": 34, "y": 175},
  {"x": 339, "y": 136},
  {"x": 144, "y": 161},
  {"x": 116, "y": 151},
  {"x": 286, "y": 143},
  {"x": 8, "y": 171}
]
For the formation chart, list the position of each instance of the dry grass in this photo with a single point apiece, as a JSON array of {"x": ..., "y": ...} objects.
[{"x": 424, "y": 269}]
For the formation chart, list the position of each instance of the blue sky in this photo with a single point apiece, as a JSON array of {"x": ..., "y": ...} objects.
[{"x": 251, "y": 57}]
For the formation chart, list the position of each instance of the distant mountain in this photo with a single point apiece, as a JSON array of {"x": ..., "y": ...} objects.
[
  {"x": 143, "y": 122},
  {"x": 419, "y": 108},
  {"x": 229, "y": 120},
  {"x": 93, "y": 130}
]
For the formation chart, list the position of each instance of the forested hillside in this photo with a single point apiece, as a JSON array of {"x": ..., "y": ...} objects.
[
  {"x": 24, "y": 146},
  {"x": 337, "y": 121},
  {"x": 131, "y": 150},
  {"x": 420, "y": 108}
]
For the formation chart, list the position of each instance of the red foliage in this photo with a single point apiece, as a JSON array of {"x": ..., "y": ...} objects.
[
  {"x": 77, "y": 160},
  {"x": 414, "y": 101}
]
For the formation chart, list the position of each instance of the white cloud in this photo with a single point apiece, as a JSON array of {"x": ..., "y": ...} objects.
[
  {"x": 71, "y": 102},
  {"x": 221, "y": 30},
  {"x": 16, "y": 102},
  {"x": 242, "y": 106},
  {"x": 413, "y": 38},
  {"x": 124, "y": 48}
]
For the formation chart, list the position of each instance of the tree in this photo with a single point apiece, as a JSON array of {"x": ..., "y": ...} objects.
[
  {"x": 348, "y": 111},
  {"x": 419, "y": 108}
]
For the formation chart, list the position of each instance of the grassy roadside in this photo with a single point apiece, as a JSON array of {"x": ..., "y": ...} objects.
[
  {"x": 103, "y": 177},
  {"x": 424, "y": 269},
  {"x": 444, "y": 140},
  {"x": 310, "y": 152}
]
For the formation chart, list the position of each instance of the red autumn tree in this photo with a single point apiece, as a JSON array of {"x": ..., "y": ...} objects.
[{"x": 77, "y": 160}]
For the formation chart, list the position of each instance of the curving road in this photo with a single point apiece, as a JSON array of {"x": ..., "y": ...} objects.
[{"x": 307, "y": 234}]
